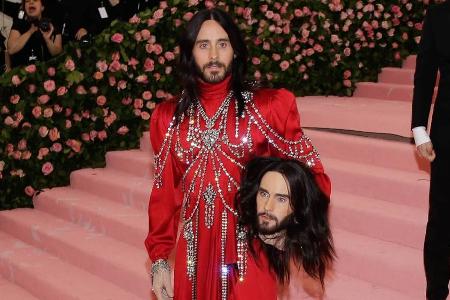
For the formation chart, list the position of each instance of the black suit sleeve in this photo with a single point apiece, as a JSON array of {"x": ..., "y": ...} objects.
[{"x": 426, "y": 73}]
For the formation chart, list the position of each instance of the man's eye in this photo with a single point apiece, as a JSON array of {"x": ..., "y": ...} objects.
[
  {"x": 263, "y": 194},
  {"x": 282, "y": 199},
  {"x": 203, "y": 45},
  {"x": 223, "y": 45}
]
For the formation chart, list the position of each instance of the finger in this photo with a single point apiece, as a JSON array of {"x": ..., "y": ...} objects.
[{"x": 433, "y": 155}]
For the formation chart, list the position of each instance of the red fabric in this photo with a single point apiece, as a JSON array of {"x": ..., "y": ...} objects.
[{"x": 279, "y": 108}]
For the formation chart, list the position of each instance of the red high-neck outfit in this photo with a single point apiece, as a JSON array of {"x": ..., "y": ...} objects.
[{"x": 211, "y": 175}]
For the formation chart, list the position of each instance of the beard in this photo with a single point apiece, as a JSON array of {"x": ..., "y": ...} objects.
[
  {"x": 214, "y": 76},
  {"x": 264, "y": 228}
]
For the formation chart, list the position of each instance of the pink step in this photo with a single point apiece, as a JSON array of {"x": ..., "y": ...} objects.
[
  {"x": 117, "y": 186},
  {"x": 353, "y": 113},
  {"x": 136, "y": 162},
  {"x": 117, "y": 262},
  {"x": 382, "y": 263},
  {"x": 384, "y": 91},
  {"x": 47, "y": 277},
  {"x": 384, "y": 220},
  {"x": 397, "y": 76},
  {"x": 344, "y": 287},
  {"x": 373, "y": 151},
  {"x": 11, "y": 291},
  {"x": 410, "y": 62},
  {"x": 401, "y": 187},
  {"x": 121, "y": 222}
]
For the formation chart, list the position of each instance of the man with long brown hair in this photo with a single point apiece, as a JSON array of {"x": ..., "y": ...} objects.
[{"x": 202, "y": 141}]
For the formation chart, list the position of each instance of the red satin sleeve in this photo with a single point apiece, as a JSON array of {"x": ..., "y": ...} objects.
[
  {"x": 287, "y": 123},
  {"x": 165, "y": 201}
]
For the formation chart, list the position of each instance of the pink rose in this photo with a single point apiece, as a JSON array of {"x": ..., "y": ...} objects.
[
  {"x": 30, "y": 69},
  {"x": 43, "y": 152},
  {"x": 42, "y": 99},
  {"x": 16, "y": 80},
  {"x": 347, "y": 51},
  {"x": 188, "y": 16},
  {"x": 123, "y": 130},
  {"x": 157, "y": 76},
  {"x": 158, "y": 14},
  {"x": 192, "y": 3},
  {"x": 117, "y": 38},
  {"x": 298, "y": 13},
  {"x": 53, "y": 134},
  {"x": 276, "y": 57},
  {"x": 14, "y": 99},
  {"x": 37, "y": 111},
  {"x": 48, "y": 112},
  {"x": 102, "y": 135},
  {"x": 112, "y": 80},
  {"x": 168, "y": 70},
  {"x": 47, "y": 168},
  {"x": 31, "y": 88},
  {"x": 56, "y": 147},
  {"x": 102, "y": 66},
  {"x": 81, "y": 90},
  {"x": 101, "y": 100},
  {"x": 133, "y": 62},
  {"x": 149, "y": 65},
  {"x": 75, "y": 145},
  {"x": 134, "y": 20},
  {"x": 256, "y": 61},
  {"x": 209, "y": 4},
  {"x": 49, "y": 85},
  {"x": 257, "y": 75},
  {"x": 169, "y": 55},
  {"x": 98, "y": 75},
  {"x": 142, "y": 79},
  {"x": 43, "y": 131},
  {"x": 26, "y": 155},
  {"x": 51, "y": 71},
  {"x": 284, "y": 65},
  {"x": 138, "y": 36},
  {"x": 157, "y": 49},
  {"x": 57, "y": 108},
  {"x": 70, "y": 65},
  {"x": 114, "y": 66},
  {"x": 22, "y": 145},
  {"x": 127, "y": 101},
  {"x": 147, "y": 95},
  {"x": 61, "y": 91},
  {"x": 85, "y": 137},
  {"x": 145, "y": 115},
  {"x": 347, "y": 83},
  {"x": 347, "y": 74},
  {"x": 160, "y": 94},
  {"x": 29, "y": 190},
  {"x": 161, "y": 60},
  {"x": 122, "y": 84},
  {"x": 5, "y": 110},
  {"x": 93, "y": 89},
  {"x": 68, "y": 124},
  {"x": 145, "y": 33},
  {"x": 138, "y": 103}
]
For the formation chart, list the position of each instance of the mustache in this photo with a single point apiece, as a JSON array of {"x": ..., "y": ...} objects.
[
  {"x": 214, "y": 64},
  {"x": 267, "y": 215}
]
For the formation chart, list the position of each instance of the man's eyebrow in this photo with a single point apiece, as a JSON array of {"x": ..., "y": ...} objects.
[{"x": 208, "y": 41}]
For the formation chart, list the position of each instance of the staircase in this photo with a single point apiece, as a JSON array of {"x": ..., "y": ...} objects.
[{"x": 85, "y": 241}]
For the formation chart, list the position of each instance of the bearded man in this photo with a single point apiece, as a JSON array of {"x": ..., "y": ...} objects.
[{"x": 202, "y": 141}]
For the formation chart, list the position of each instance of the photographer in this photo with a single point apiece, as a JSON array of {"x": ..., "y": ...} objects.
[{"x": 33, "y": 38}]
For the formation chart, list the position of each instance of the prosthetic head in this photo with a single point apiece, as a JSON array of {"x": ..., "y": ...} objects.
[{"x": 280, "y": 203}]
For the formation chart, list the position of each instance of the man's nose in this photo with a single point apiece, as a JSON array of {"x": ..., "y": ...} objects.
[
  {"x": 269, "y": 204},
  {"x": 213, "y": 53}
]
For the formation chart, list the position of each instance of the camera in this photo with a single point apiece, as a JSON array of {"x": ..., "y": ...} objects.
[{"x": 43, "y": 24}]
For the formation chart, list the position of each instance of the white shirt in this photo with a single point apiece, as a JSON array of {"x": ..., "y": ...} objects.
[{"x": 420, "y": 135}]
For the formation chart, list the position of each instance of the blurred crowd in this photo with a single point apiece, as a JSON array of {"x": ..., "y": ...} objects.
[{"x": 40, "y": 28}]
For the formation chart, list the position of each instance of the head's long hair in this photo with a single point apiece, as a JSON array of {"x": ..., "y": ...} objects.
[
  {"x": 308, "y": 237},
  {"x": 187, "y": 70}
]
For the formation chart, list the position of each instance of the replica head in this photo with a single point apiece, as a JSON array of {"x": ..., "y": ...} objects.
[
  {"x": 211, "y": 48},
  {"x": 280, "y": 203},
  {"x": 33, "y": 8}
]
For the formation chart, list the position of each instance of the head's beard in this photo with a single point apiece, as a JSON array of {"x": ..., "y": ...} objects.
[
  {"x": 214, "y": 76},
  {"x": 264, "y": 227}
]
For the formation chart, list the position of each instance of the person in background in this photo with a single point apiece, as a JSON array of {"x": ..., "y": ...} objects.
[
  {"x": 434, "y": 56},
  {"x": 33, "y": 38}
]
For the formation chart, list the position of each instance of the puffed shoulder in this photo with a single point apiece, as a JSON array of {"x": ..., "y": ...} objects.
[
  {"x": 159, "y": 122},
  {"x": 275, "y": 102}
]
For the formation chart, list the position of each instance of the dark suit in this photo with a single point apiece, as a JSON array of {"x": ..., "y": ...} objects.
[{"x": 434, "y": 56}]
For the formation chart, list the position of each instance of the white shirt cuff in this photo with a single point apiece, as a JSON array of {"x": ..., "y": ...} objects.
[{"x": 420, "y": 135}]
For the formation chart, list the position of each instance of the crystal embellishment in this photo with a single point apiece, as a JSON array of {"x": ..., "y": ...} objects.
[
  {"x": 210, "y": 137},
  {"x": 209, "y": 195}
]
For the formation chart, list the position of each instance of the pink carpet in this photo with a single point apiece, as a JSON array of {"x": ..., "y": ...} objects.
[{"x": 85, "y": 241}]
